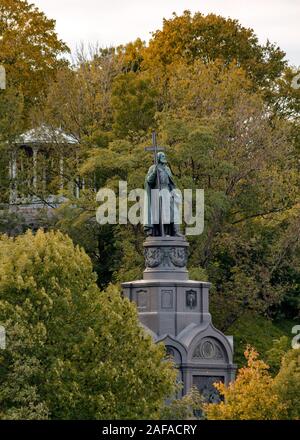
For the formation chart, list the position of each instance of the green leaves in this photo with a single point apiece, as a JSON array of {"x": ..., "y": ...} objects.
[
  {"x": 134, "y": 104},
  {"x": 73, "y": 352}
]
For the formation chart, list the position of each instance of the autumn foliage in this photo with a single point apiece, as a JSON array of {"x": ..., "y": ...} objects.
[{"x": 256, "y": 395}]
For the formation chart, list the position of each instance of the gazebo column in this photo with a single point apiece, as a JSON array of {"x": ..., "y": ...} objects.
[
  {"x": 94, "y": 183},
  {"x": 13, "y": 172},
  {"x": 61, "y": 172},
  {"x": 35, "y": 151},
  {"x": 44, "y": 179},
  {"x": 77, "y": 189}
]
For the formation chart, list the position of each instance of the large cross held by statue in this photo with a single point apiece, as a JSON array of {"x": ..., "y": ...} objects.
[{"x": 154, "y": 147}]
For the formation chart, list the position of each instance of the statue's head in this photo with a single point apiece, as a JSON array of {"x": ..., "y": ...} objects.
[{"x": 161, "y": 157}]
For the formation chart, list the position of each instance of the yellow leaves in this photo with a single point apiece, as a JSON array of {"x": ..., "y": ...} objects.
[
  {"x": 132, "y": 54},
  {"x": 251, "y": 396},
  {"x": 205, "y": 88},
  {"x": 212, "y": 38},
  {"x": 33, "y": 58}
]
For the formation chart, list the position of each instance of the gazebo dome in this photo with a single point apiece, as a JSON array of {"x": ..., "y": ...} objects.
[{"x": 45, "y": 135}]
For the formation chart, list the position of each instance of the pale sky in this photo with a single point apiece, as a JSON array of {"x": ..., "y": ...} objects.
[{"x": 111, "y": 22}]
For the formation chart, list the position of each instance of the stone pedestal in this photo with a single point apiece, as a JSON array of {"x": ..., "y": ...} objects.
[{"x": 175, "y": 310}]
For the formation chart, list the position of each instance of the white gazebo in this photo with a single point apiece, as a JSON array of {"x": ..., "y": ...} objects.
[{"x": 35, "y": 144}]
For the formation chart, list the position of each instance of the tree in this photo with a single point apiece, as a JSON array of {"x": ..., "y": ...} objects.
[
  {"x": 78, "y": 101},
  {"x": 79, "y": 98},
  {"x": 30, "y": 50},
  {"x": 286, "y": 94},
  {"x": 187, "y": 408},
  {"x": 73, "y": 352},
  {"x": 251, "y": 397},
  {"x": 11, "y": 125},
  {"x": 256, "y": 395},
  {"x": 277, "y": 352},
  {"x": 131, "y": 55},
  {"x": 213, "y": 37},
  {"x": 134, "y": 104},
  {"x": 287, "y": 383}
]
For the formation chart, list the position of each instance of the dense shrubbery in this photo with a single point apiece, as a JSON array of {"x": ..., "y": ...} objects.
[{"x": 73, "y": 352}]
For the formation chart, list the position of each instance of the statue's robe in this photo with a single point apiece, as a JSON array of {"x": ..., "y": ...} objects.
[{"x": 169, "y": 207}]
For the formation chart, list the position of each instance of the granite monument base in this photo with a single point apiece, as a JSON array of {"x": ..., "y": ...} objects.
[{"x": 175, "y": 310}]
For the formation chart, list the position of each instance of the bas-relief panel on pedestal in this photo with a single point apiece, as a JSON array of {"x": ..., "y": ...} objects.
[
  {"x": 142, "y": 299},
  {"x": 208, "y": 348},
  {"x": 191, "y": 299},
  {"x": 167, "y": 298},
  {"x": 166, "y": 257},
  {"x": 205, "y": 385}
]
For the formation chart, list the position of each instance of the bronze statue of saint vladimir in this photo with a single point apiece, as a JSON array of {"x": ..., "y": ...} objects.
[{"x": 162, "y": 205}]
